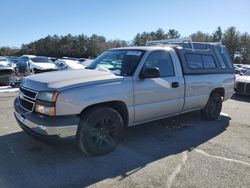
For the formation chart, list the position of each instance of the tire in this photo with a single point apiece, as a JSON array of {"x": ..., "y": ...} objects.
[
  {"x": 99, "y": 131},
  {"x": 213, "y": 107}
]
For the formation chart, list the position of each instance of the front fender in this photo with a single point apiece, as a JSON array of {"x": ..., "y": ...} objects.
[{"x": 74, "y": 100}]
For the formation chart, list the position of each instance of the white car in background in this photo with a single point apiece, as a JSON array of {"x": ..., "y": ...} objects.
[
  {"x": 67, "y": 64},
  {"x": 6, "y": 71},
  {"x": 242, "y": 83},
  {"x": 35, "y": 64},
  {"x": 40, "y": 64}
]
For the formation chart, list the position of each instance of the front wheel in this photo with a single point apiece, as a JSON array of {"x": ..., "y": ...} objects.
[
  {"x": 100, "y": 130},
  {"x": 213, "y": 107}
]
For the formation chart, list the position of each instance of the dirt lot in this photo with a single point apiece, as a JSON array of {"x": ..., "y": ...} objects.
[{"x": 184, "y": 151}]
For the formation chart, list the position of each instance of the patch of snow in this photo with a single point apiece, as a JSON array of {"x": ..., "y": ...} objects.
[{"x": 8, "y": 89}]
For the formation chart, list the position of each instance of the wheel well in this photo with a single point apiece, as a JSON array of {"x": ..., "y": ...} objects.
[
  {"x": 219, "y": 90},
  {"x": 119, "y": 106}
]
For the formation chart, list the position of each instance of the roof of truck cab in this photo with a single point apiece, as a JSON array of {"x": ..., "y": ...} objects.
[
  {"x": 146, "y": 48},
  {"x": 197, "y": 46}
]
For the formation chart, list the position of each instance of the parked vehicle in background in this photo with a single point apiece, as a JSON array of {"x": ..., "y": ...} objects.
[
  {"x": 35, "y": 64},
  {"x": 242, "y": 83},
  {"x": 139, "y": 84},
  {"x": 6, "y": 71},
  {"x": 13, "y": 60},
  {"x": 22, "y": 64},
  {"x": 239, "y": 70},
  {"x": 242, "y": 68},
  {"x": 67, "y": 64},
  {"x": 41, "y": 64}
]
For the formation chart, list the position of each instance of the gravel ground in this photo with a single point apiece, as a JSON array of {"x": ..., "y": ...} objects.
[{"x": 182, "y": 151}]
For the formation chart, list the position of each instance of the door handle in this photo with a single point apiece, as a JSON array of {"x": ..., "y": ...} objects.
[{"x": 175, "y": 84}]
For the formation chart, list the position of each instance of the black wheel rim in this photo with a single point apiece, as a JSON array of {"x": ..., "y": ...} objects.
[{"x": 102, "y": 134}]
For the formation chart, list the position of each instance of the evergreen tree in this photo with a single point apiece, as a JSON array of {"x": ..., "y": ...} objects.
[
  {"x": 231, "y": 39},
  {"x": 160, "y": 34},
  {"x": 201, "y": 37},
  {"x": 217, "y": 35},
  {"x": 245, "y": 48},
  {"x": 137, "y": 40},
  {"x": 172, "y": 33}
]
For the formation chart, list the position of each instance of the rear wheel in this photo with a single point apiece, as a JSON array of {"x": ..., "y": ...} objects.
[
  {"x": 99, "y": 131},
  {"x": 213, "y": 107}
]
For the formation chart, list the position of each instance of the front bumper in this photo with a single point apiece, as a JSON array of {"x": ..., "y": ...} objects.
[{"x": 41, "y": 125}]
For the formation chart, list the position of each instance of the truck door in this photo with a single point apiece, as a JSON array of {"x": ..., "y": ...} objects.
[{"x": 163, "y": 96}]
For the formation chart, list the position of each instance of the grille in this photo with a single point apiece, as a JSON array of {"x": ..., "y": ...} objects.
[
  {"x": 248, "y": 88},
  {"x": 27, "y": 99},
  {"x": 28, "y": 93},
  {"x": 27, "y": 105},
  {"x": 240, "y": 87}
]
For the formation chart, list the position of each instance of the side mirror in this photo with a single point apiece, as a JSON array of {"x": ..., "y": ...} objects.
[
  {"x": 152, "y": 72},
  {"x": 241, "y": 74}
]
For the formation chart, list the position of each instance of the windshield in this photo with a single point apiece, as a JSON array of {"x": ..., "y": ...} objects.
[
  {"x": 120, "y": 62},
  {"x": 41, "y": 60}
]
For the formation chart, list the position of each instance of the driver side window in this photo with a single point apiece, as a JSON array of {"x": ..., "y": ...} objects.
[{"x": 161, "y": 60}]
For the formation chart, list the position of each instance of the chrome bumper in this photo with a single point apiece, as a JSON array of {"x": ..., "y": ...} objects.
[{"x": 60, "y": 131}]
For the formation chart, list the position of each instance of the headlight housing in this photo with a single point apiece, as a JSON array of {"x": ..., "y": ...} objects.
[
  {"x": 47, "y": 110},
  {"x": 46, "y": 103},
  {"x": 47, "y": 96}
]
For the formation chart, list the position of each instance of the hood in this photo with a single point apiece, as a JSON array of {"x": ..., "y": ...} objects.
[
  {"x": 62, "y": 80},
  {"x": 43, "y": 66},
  {"x": 243, "y": 79}
]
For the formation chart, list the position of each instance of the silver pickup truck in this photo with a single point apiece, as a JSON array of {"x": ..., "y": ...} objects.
[{"x": 124, "y": 87}]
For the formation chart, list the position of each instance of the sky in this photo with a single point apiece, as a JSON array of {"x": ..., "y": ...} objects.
[{"x": 24, "y": 21}]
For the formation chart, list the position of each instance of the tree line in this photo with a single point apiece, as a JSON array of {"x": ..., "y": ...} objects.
[{"x": 92, "y": 46}]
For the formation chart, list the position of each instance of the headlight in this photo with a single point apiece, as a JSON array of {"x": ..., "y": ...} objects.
[
  {"x": 51, "y": 111},
  {"x": 48, "y": 96},
  {"x": 46, "y": 103}
]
